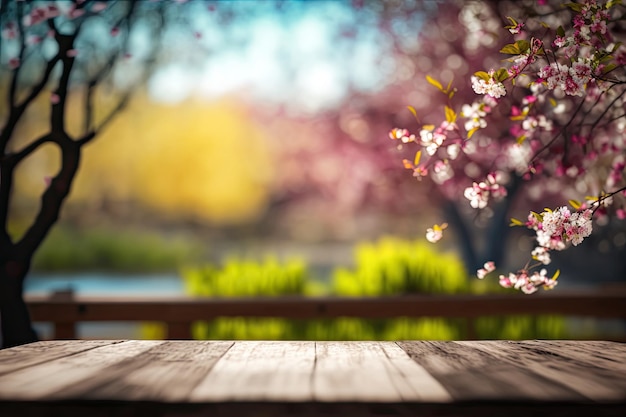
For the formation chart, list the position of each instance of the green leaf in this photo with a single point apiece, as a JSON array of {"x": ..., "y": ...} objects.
[
  {"x": 523, "y": 45},
  {"x": 482, "y": 75},
  {"x": 434, "y": 82},
  {"x": 537, "y": 216},
  {"x": 612, "y": 3},
  {"x": 616, "y": 45},
  {"x": 575, "y": 204},
  {"x": 521, "y": 139},
  {"x": 511, "y": 49},
  {"x": 574, "y": 6},
  {"x": 502, "y": 74},
  {"x": 560, "y": 31},
  {"x": 471, "y": 132},
  {"x": 610, "y": 67},
  {"x": 556, "y": 274},
  {"x": 516, "y": 222}
]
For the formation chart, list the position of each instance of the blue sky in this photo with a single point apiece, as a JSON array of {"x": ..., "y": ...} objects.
[{"x": 307, "y": 55}]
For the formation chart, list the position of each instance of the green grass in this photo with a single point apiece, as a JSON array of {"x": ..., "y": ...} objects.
[
  {"x": 67, "y": 250},
  {"x": 387, "y": 267},
  {"x": 244, "y": 278},
  {"x": 393, "y": 266}
]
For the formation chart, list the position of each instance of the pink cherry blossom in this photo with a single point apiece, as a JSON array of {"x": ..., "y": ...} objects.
[
  {"x": 566, "y": 127},
  {"x": 486, "y": 269},
  {"x": 491, "y": 88},
  {"x": 435, "y": 233}
]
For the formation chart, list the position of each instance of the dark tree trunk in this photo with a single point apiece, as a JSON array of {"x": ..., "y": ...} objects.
[
  {"x": 495, "y": 237},
  {"x": 16, "y": 255},
  {"x": 14, "y": 316},
  {"x": 499, "y": 231},
  {"x": 465, "y": 237}
]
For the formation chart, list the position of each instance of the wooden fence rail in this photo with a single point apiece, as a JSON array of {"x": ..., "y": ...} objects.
[{"x": 64, "y": 311}]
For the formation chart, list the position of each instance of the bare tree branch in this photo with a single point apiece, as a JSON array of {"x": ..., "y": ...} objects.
[
  {"x": 89, "y": 136},
  {"x": 104, "y": 71},
  {"x": 16, "y": 112},
  {"x": 52, "y": 199},
  {"x": 16, "y": 70},
  {"x": 17, "y": 157},
  {"x": 57, "y": 116},
  {"x": 8, "y": 165}
]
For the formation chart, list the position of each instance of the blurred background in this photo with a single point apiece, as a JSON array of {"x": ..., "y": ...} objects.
[{"x": 256, "y": 144}]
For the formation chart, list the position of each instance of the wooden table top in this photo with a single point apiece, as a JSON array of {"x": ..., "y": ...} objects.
[{"x": 180, "y": 378}]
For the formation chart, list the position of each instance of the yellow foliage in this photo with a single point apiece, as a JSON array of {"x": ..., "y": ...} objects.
[{"x": 203, "y": 160}]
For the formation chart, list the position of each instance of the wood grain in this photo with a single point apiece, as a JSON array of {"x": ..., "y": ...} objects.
[
  {"x": 411, "y": 380},
  {"x": 35, "y": 353},
  {"x": 472, "y": 374},
  {"x": 165, "y": 372},
  {"x": 57, "y": 379},
  {"x": 591, "y": 380},
  {"x": 252, "y": 371},
  {"x": 607, "y": 355},
  {"x": 252, "y": 378},
  {"x": 366, "y": 371}
]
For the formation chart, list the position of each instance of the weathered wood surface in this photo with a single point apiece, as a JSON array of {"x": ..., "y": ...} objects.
[{"x": 180, "y": 378}]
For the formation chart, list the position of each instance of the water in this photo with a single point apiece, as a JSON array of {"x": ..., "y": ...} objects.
[
  {"x": 103, "y": 284},
  {"x": 106, "y": 284}
]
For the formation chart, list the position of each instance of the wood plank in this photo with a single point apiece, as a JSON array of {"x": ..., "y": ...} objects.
[
  {"x": 58, "y": 377},
  {"x": 361, "y": 372},
  {"x": 412, "y": 381},
  {"x": 597, "y": 384},
  {"x": 260, "y": 371},
  {"x": 473, "y": 375},
  {"x": 39, "y": 352},
  {"x": 601, "y": 354},
  {"x": 168, "y": 372}
]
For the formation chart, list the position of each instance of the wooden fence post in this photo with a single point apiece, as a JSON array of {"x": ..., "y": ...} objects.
[
  {"x": 178, "y": 331},
  {"x": 64, "y": 330}
]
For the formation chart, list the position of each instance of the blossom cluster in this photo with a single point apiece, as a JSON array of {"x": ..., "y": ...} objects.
[
  {"x": 527, "y": 282},
  {"x": 480, "y": 193},
  {"x": 40, "y": 13},
  {"x": 490, "y": 87},
  {"x": 554, "y": 229},
  {"x": 566, "y": 125},
  {"x": 571, "y": 80}
]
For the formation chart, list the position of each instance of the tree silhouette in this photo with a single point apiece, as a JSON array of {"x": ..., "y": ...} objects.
[{"x": 55, "y": 56}]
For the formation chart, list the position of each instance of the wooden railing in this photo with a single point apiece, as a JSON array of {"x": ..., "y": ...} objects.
[{"x": 64, "y": 311}]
